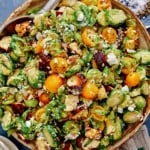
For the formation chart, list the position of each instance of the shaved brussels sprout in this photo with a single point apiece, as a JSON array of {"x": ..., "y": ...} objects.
[
  {"x": 126, "y": 102},
  {"x": 73, "y": 70},
  {"x": 19, "y": 46},
  {"x": 116, "y": 17},
  {"x": 115, "y": 98},
  {"x": 1, "y": 113},
  {"x": 109, "y": 77},
  {"x": 50, "y": 133},
  {"x": 145, "y": 88},
  {"x": 2, "y": 80},
  {"x": 6, "y": 119},
  {"x": 140, "y": 102},
  {"x": 9, "y": 99},
  {"x": 95, "y": 75},
  {"x": 34, "y": 75},
  {"x": 85, "y": 16},
  {"x": 71, "y": 129},
  {"x": 102, "y": 19},
  {"x": 18, "y": 78},
  {"x": 132, "y": 117},
  {"x": 143, "y": 56},
  {"x": 118, "y": 131},
  {"x": 6, "y": 64},
  {"x": 31, "y": 103}
]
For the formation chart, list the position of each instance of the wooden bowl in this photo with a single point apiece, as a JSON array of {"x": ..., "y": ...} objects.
[{"x": 144, "y": 43}]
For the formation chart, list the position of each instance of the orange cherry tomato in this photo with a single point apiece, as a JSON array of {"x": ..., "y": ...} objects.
[
  {"x": 132, "y": 33},
  {"x": 98, "y": 113},
  {"x": 109, "y": 34},
  {"x": 89, "y": 91},
  {"x": 44, "y": 98},
  {"x": 87, "y": 36},
  {"x": 53, "y": 82},
  {"x": 58, "y": 64},
  {"x": 93, "y": 62},
  {"x": 132, "y": 79},
  {"x": 104, "y": 5},
  {"x": 39, "y": 47},
  {"x": 129, "y": 65}
]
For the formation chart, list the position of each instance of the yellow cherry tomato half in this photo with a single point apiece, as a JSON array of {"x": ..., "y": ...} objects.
[
  {"x": 53, "y": 82},
  {"x": 132, "y": 79},
  {"x": 132, "y": 33},
  {"x": 89, "y": 91},
  {"x": 58, "y": 65},
  {"x": 130, "y": 44},
  {"x": 109, "y": 34},
  {"x": 87, "y": 36},
  {"x": 104, "y": 4}
]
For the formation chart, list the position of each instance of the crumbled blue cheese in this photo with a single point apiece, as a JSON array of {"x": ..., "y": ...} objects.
[
  {"x": 120, "y": 110},
  {"x": 71, "y": 102},
  {"x": 112, "y": 59},
  {"x": 125, "y": 88},
  {"x": 131, "y": 51},
  {"x": 131, "y": 107},
  {"x": 28, "y": 123},
  {"x": 80, "y": 17},
  {"x": 38, "y": 35}
]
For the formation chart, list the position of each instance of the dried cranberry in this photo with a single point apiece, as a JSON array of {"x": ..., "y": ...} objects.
[
  {"x": 29, "y": 115},
  {"x": 59, "y": 13},
  {"x": 44, "y": 62},
  {"x": 67, "y": 146},
  {"x": 109, "y": 88},
  {"x": 100, "y": 59},
  {"x": 79, "y": 141},
  {"x": 18, "y": 108}
]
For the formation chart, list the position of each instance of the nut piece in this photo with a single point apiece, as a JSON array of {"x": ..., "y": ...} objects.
[
  {"x": 41, "y": 144},
  {"x": 5, "y": 42}
]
